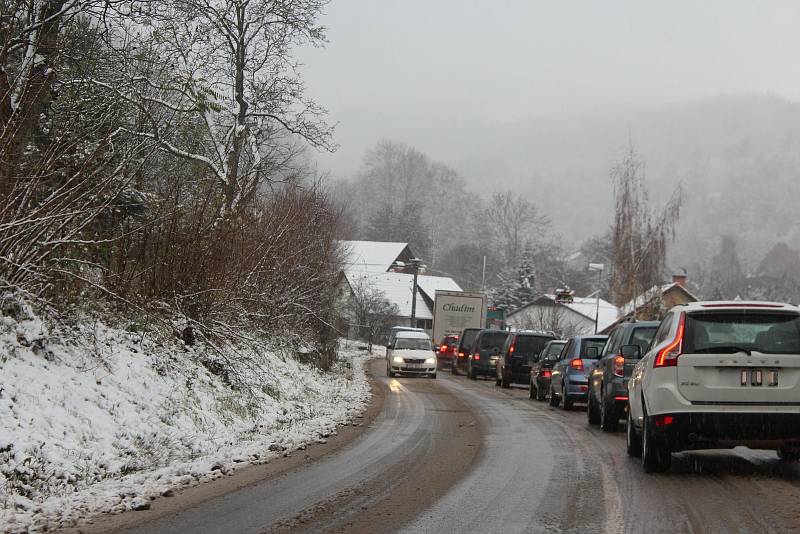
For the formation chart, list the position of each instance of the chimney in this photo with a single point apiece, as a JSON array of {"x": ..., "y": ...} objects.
[{"x": 680, "y": 277}]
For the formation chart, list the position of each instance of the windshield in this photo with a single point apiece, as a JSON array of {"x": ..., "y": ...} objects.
[
  {"x": 742, "y": 331},
  {"x": 412, "y": 344},
  {"x": 526, "y": 345},
  {"x": 492, "y": 340},
  {"x": 593, "y": 346}
]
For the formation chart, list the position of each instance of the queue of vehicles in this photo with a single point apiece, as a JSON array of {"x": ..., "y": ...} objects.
[{"x": 709, "y": 375}]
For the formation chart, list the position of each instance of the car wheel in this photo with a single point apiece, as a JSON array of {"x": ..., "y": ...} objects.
[
  {"x": 789, "y": 455},
  {"x": 454, "y": 369},
  {"x": 608, "y": 415},
  {"x": 472, "y": 374},
  {"x": 540, "y": 394},
  {"x": 567, "y": 402},
  {"x": 553, "y": 398},
  {"x": 497, "y": 380},
  {"x": 433, "y": 375},
  {"x": 591, "y": 410},
  {"x": 656, "y": 456},
  {"x": 389, "y": 371},
  {"x": 504, "y": 382},
  {"x": 532, "y": 393},
  {"x": 632, "y": 438}
]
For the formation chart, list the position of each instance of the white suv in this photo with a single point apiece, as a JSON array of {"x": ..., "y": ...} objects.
[
  {"x": 717, "y": 375},
  {"x": 411, "y": 353}
]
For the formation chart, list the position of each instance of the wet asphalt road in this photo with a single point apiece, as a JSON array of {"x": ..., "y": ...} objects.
[{"x": 454, "y": 455}]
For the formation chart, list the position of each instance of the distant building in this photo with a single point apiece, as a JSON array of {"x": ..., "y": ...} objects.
[
  {"x": 652, "y": 304},
  {"x": 564, "y": 317},
  {"x": 377, "y": 263}
]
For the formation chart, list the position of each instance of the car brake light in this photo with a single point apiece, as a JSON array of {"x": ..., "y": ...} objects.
[
  {"x": 664, "y": 420},
  {"x": 512, "y": 348},
  {"x": 443, "y": 348},
  {"x": 476, "y": 356},
  {"x": 460, "y": 354},
  {"x": 576, "y": 364},
  {"x": 546, "y": 374},
  {"x": 621, "y": 398},
  {"x": 619, "y": 365},
  {"x": 668, "y": 356}
]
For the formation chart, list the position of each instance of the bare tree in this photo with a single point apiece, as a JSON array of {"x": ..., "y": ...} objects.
[
  {"x": 639, "y": 235},
  {"x": 369, "y": 309},
  {"x": 514, "y": 221}
]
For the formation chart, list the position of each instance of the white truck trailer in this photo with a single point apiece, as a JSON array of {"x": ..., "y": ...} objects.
[{"x": 454, "y": 311}]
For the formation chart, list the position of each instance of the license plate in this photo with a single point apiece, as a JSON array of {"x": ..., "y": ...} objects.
[{"x": 758, "y": 377}]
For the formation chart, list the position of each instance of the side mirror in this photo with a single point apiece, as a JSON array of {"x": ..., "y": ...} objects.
[{"x": 631, "y": 351}]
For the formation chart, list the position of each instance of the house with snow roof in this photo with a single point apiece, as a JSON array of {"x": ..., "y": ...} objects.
[
  {"x": 570, "y": 317},
  {"x": 655, "y": 301},
  {"x": 380, "y": 265}
]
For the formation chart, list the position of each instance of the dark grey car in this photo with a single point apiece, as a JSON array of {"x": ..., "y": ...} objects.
[{"x": 608, "y": 378}]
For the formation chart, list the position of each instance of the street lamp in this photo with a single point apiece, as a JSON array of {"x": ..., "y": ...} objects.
[
  {"x": 599, "y": 268},
  {"x": 415, "y": 264}
]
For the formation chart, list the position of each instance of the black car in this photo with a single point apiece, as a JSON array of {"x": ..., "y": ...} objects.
[
  {"x": 485, "y": 350},
  {"x": 464, "y": 349},
  {"x": 608, "y": 380},
  {"x": 514, "y": 363},
  {"x": 541, "y": 367}
]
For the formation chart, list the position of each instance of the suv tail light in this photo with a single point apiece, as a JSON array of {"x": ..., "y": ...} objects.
[
  {"x": 576, "y": 364},
  {"x": 668, "y": 356},
  {"x": 476, "y": 356},
  {"x": 619, "y": 365},
  {"x": 512, "y": 348},
  {"x": 546, "y": 373},
  {"x": 460, "y": 354},
  {"x": 443, "y": 348}
]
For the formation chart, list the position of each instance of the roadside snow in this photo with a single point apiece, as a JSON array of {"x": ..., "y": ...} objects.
[{"x": 108, "y": 419}]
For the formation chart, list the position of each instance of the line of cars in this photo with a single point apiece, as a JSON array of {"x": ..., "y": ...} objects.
[{"x": 709, "y": 375}]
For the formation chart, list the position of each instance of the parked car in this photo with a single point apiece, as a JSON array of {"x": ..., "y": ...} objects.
[
  {"x": 485, "y": 351},
  {"x": 446, "y": 351},
  {"x": 542, "y": 366},
  {"x": 608, "y": 378},
  {"x": 465, "y": 341},
  {"x": 717, "y": 375},
  {"x": 411, "y": 353},
  {"x": 514, "y": 363},
  {"x": 569, "y": 381}
]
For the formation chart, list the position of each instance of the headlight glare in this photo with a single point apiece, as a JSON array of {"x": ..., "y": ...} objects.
[
  {"x": 398, "y": 359},
  {"x": 430, "y": 360}
]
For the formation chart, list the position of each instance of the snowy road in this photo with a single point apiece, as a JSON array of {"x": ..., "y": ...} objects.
[{"x": 452, "y": 455}]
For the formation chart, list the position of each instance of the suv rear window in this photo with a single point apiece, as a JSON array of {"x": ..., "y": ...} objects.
[
  {"x": 491, "y": 340},
  {"x": 738, "y": 331},
  {"x": 642, "y": 336},
  {"x": 528, "y": 345},
  {"x": 467, "y": 340},
  {"x": 598, "y": 344},
  {"x": 553, "y": 351}
]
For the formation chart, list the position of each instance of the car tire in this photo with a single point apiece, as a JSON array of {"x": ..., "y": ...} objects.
[
  {"x": 592, "y": 414},
  {"x": 532, "y": 394},
  {"x": 497, "y": 380},
  {"x": 540, "y": 394},
  {"x": 389, "y": 371},
  {"x": 454, "y": 369},
  {"x": 568, "y": 403},
  {"x": 608, "y": 414},
  {"x": 788, "y": 455},
  {"x": 472, "y": 374},
  {"x": 504, "y": 382},
  {"x": 632, "y": 438},
  {"x": 656, "y": 456},
  {"x": 433, "y": 375},
  {"x": 553, "y": 398}
]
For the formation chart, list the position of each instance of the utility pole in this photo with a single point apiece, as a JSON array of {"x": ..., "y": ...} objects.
[
  {"x": 415, "y": 262},
  {"x": 599, "y": 268}
]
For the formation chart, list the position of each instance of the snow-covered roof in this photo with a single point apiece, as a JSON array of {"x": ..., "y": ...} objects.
[
  {"x": 648, "y": 296},
  {"x": 431, "y": 284},
  {"x": 371, "y": 256},
  {"x": 607, "y": 313},
  {"x": 398, "y": 288}
]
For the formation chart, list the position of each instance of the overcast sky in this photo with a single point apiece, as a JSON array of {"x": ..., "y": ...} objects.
[{"x": 393, "y": 66}]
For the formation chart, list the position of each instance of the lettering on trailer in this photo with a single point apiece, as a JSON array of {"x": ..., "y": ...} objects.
[{"x": 458, "y": 308}]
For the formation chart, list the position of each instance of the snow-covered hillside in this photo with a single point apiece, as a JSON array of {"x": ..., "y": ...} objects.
[{"x": 96, "y": 419}]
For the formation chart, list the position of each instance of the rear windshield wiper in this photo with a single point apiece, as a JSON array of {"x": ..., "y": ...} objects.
[{"x": 725, "y": 349}]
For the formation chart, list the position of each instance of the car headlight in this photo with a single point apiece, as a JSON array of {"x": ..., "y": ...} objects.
[
  {"x": 398, "y": 359},
  {"x": 430, "y": 360}
]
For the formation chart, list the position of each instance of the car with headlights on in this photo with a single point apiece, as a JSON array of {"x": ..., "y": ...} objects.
[
  {"x": 717, "y": 375},
  {"x": 569, "y": 380},
  {"x": 542, "y": 367},
  {"x": 411, "y": 353}
]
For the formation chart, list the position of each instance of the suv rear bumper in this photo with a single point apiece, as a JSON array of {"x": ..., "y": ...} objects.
[{"x": 702, "y": 430}]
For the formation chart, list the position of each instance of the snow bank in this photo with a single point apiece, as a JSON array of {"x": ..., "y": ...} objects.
[{"x": 104, "y": 419}]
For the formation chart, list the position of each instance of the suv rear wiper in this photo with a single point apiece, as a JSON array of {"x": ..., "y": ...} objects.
[{"x": 728, "y": 349}]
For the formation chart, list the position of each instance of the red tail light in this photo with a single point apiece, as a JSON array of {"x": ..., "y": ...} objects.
[
  {"x": 576, "y": 364},
  {"x": 511, "y": 349},
  {"x": 664, "y": 420},
  {"x": 619, "y": 365},
  {"x": 668, "y": 356},
  {"x": 476, "y": 356},
  {"x": 443, "y": 348},
  {"x": 460, "y": 354},
  {"x": 546, "y": 373}
]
